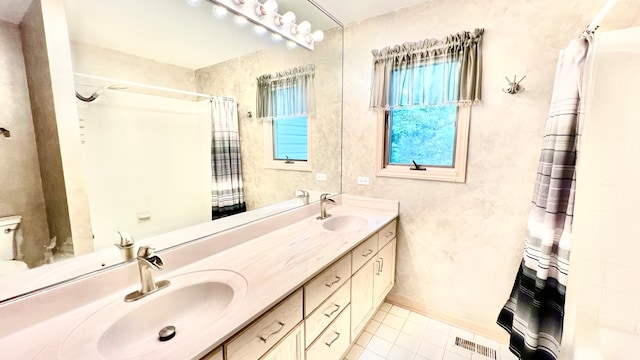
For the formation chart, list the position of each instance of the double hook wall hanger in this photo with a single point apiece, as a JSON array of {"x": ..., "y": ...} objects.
[{"x": 514, "y": 86}]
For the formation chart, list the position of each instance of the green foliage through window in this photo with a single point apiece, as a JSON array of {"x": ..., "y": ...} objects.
[{"x": 426, "y": 135}]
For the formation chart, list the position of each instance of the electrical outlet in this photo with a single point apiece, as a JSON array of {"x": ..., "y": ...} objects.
[
  {"x": 363, "y": 180},
  {"x": 321, "y": 177}
]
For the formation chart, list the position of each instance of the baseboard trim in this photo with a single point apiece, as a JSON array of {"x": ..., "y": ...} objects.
[{"x": 496, "y": 334}]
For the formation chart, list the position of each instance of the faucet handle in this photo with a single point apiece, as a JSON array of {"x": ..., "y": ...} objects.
[{"x": 145, "y": 251}]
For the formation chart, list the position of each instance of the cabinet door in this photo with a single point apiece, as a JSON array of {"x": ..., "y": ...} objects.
[
  {"x": 291, "y": 347},
  {"x": 385, "y": 271},
  {"x": 362, "y": 297}
]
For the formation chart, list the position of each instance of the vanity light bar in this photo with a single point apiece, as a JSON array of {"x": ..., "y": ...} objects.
[{"x": 266, "y": 14}]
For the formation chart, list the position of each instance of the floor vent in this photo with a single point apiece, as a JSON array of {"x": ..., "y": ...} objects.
[{"x": 480, "y": 349}]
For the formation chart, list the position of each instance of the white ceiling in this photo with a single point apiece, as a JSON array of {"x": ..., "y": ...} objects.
[{"x": 171, "y": 31}]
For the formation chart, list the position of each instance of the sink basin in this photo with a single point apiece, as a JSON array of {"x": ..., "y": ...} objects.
[
  {"x": 126, "y": 330},
  {"x": 344, "y": 223}
]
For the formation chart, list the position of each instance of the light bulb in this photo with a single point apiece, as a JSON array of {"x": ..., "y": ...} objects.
[
  {"x": 317, "y": 36},
  {"x": 193, "y": 3},
  {"x": 290, "y": 44},
  {"x": 304, "y": 27},
  {"x": 276, "y": 37},
  {"x": 270, "y": 6},
  {"x": 259, "y": 29},
  {"x": 219, "y": 11},
  {"x": 240, "y": 20},
  {"x": 289, "y": 16}
]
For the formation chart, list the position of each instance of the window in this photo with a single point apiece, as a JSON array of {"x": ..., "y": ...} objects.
[
  {"x": 423, "y": 92},
  {"x": 290, "y": 138},
  {"x": 284, "y": 104},
  {"x": 434, "y": 137}
]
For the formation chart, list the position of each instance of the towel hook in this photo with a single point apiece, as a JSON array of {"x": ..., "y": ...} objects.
[
  {"x": 5, "y": 132},
  {"x": 514, "y": 86}
]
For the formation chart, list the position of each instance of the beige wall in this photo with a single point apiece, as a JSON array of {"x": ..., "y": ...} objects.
[
  {"x": 103, "y": 62},
  {"x": 237, "y": 78},
  {"x": 459, "y": 245},
  {"x": 21, "y": 190},
  {"x": 48, "y": 65}
]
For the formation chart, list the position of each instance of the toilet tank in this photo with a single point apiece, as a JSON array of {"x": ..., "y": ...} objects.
[{"x": 8, "y": 225}]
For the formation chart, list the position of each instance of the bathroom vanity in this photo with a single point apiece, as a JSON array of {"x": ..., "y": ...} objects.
[{"x": 287, "y": 287}]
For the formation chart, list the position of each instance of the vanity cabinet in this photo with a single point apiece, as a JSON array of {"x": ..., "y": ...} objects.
[
  {"x": 258, "y": 338},
  {"x": 214, "y": 355},
  {"x": 291, "y": 347},
  {"x": 385, "y": 270},
  {"x": 334, "y": 340},
  {"x": 320, "y": 320}
]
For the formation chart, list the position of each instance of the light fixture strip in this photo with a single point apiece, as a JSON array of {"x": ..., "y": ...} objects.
[{"x": 248, "y": 10}]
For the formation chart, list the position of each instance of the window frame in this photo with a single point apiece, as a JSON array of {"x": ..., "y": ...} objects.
[
  {"x": 457, "y": 173},
  {"x": 295, "y": 165}
]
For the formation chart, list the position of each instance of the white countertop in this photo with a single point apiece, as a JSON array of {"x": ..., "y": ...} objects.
[{"x": 274, "y": 264}]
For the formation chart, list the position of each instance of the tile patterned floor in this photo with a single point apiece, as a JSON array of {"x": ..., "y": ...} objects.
[{"x": 396, "y": 333}]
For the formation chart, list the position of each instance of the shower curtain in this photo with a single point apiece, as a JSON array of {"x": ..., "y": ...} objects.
[
  {"x": 227, "y": 197},
  {"x": 534, "y": 313}
]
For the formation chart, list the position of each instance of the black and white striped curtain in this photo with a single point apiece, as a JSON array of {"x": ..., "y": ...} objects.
[
  {"x": 534, "y": 313},
  {"x": 227, "y": 196}
]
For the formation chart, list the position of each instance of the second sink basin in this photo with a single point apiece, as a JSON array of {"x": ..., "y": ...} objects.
[
  {"x": 192, "y": 303},
  {"x": 345, "y": 223}
]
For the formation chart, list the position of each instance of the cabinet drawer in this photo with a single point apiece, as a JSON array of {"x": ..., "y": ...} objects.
[
  {"x": 334, "y": 341},
  {"x": 326, "y": 313},
  {"x": 386, "y": 234},
  {"x": 265, "y": 332},
  {"x": 214, "y": 355},
  {"x": 363, "y": 252},
  {"x": 319, "y": 288}
]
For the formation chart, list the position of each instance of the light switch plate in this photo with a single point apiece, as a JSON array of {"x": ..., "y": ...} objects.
[{"x": 321, "y": 177}]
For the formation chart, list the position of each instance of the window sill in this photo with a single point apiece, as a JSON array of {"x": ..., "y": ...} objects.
[
  {"x": 296, "y": 166},
  {"x": 434, "y": 174}
]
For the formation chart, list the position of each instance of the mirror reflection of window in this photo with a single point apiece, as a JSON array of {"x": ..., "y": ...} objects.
[
  {"x": 284, "y": 102},
  {"x": 290, "y": 141}
]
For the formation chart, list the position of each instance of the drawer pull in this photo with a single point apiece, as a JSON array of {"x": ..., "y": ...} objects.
[
  {"x": 381, "y": 264},
  {"x": 265, "y": 338},
  {"x": 334, "y": 311},
  {"x": 367, "y": 253},
  {"x": 337, "y": 280},
  {"x": 390, "y": 233},
  {"x": 379, "y": 267},
  {"x": 333, "y": 340}
]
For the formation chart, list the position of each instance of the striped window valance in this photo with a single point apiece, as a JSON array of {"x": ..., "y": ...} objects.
[
  {"x": 286, "y": 93},
  {"x": 431, "y": 72}
]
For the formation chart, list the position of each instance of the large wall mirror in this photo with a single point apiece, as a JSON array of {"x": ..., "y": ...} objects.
[{"x": 143, "y": 71}]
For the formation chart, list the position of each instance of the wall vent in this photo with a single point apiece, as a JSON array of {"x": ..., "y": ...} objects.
[{"x": 480, "y": 349}]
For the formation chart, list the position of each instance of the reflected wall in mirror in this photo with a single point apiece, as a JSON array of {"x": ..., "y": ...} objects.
[{"x": 73, "y": 187}]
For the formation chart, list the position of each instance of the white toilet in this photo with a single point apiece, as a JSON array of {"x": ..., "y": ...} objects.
[{"x": 8, "y": 265}]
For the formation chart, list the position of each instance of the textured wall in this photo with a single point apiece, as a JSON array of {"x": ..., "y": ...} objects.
[
  {"x": 103, "y": 62},
  {"x": 459, "y": 245},
  {"x": 237, "y": 78},
  {"x": 21, "y": 190},
  {"x": 48, "y": 65}
]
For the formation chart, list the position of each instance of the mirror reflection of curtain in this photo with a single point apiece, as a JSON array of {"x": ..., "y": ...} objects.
[
  {"x": 288, "y": 93},
  {"x": 227, "y": 195}
]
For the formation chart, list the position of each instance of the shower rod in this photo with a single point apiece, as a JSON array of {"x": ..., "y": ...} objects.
[{"x": 119, "y": 83}]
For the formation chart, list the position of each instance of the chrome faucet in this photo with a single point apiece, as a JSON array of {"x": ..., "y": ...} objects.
[
  {"x": 147, "y": 263},
  {"x": 304, "y": 195},
  {"x": 323, "y": 206}
]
